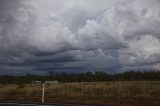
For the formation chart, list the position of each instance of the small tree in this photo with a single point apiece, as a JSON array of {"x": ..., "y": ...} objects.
[
  {"x": 51, "y": 75},
  {"x": 20, "y": 83}
]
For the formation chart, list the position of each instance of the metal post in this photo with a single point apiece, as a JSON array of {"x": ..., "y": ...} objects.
[{"x": 43, "y": 93}]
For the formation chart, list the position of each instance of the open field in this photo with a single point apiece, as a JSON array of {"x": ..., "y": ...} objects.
[{"x": 139, "y": 93}]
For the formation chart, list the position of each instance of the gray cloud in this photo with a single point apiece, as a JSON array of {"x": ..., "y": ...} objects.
[{"x": 51, "y": 35}]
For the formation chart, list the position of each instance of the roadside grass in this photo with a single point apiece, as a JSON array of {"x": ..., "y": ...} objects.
[{"x": 85, "y": 92}]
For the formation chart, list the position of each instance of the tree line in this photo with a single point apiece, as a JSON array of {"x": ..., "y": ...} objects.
[{"x": 98, "y": 76}]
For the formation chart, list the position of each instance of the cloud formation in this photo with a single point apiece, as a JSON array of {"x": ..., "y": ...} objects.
[{"x": 72, "y": 36}]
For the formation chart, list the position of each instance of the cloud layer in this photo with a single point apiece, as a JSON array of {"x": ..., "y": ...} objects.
[{"x": 37, "y": 36}]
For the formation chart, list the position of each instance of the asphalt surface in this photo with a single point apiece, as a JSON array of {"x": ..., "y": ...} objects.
[{"x": 19, "y": 104}]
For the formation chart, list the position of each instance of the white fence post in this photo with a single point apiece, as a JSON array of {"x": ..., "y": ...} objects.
[{"x": 43, "y": 93}]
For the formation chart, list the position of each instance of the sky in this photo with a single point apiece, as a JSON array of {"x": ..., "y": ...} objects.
[{"x": 39, "y": 36}]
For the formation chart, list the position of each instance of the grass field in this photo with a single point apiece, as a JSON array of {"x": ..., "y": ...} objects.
[{"x": 142, "y": 93}]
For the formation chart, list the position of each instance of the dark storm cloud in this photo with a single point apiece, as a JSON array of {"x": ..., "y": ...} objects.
[
  {"x": 14, "y": 27},
  {"x": 86, "y": 35}
]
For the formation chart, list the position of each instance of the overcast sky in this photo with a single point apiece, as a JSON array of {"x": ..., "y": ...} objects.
[{"x": 37, "y": 36}]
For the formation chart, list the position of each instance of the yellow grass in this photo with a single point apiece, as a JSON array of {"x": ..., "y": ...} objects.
[{"x": 85, "y": 92}]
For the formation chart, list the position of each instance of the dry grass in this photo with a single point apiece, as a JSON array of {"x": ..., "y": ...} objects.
[{"x": 97, "y": 92}]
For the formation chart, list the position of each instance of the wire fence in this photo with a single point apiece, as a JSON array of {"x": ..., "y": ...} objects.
[{"x": 143, "y": 93}]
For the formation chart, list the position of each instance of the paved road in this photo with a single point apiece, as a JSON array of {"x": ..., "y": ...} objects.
[
  {"x": 18, "y": 104},
  {"x": 56, "y": 104}
]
